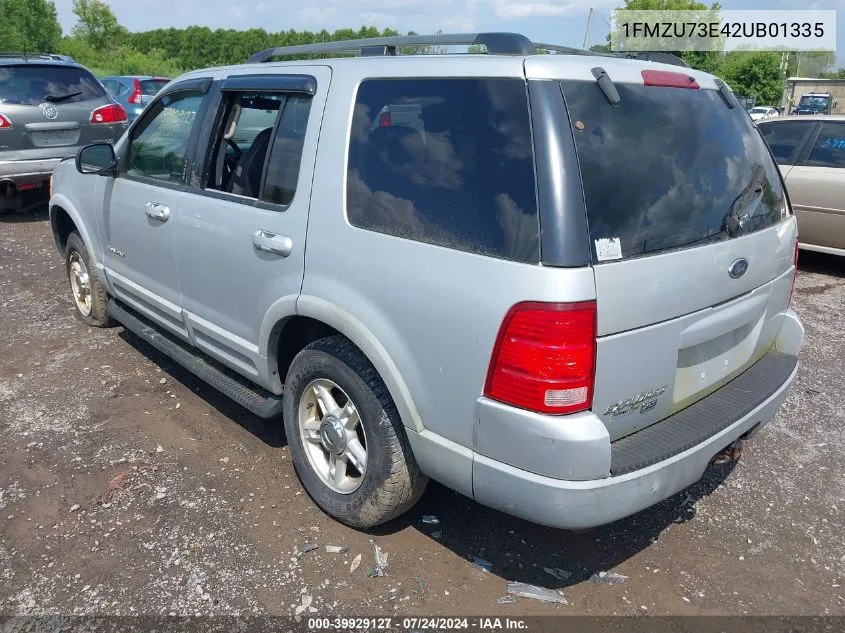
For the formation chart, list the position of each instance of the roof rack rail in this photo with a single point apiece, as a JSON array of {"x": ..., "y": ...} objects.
[
  {"x": 23, "y": 55},
  {"x": 496, "y": 43}
]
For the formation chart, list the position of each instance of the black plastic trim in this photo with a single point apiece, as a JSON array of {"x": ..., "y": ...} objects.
[
  {"x": 260, "y": 402},
  {"x": 201, "y": 84},
  {"x": 272, "y": 83},
  {"x": 564, "y": 236},
  {"x": 702, "y": 420},
  {"x": 506, "y": 44}
]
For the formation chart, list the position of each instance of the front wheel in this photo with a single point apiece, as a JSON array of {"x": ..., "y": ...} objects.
[
  {"x": 348, "y": 444},
  {"x": 89, "y": 295}
]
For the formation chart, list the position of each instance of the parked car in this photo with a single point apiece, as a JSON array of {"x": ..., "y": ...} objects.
[
  {"x": 561, "y": 310},
  {"x": 810, "y": 151},
  {"x": 133, "y": 92},
  {"x": 49, "y": 108},
  {"x": 762, "y": 112}
]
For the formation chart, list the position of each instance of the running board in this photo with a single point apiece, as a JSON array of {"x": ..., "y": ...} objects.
[{"x": 261, "y": 403}]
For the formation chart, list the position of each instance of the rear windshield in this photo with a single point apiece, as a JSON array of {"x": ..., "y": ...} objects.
[
  {"x": 669, "y": 168},
  {"x": 33, "y": 84},
  {"x": 150, "y": 87}
]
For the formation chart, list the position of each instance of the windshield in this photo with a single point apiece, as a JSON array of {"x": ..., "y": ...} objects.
[
  {"x": 758, "y": 110},
  {"x": 33, "y": 84},
  {"x": 814, "y": 102},
  {"x": 669, "y": 168}
]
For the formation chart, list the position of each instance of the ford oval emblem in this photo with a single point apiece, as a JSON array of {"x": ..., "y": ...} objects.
[{"x": 738, "y": 268}]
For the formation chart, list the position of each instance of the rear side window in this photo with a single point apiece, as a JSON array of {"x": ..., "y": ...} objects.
[
  {"x": 669, "y": 168},
  {"x": 786, "y": 139},
  {"x": 34, "y": 84},
  {"x": 150, "y": 87},
  {"x": 829, "y": 148},
  {"x": 447, "y": 162}
]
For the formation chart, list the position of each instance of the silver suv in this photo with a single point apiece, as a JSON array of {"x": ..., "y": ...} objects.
[
  {"x": 50, "y": 106},
  {"x": 557, "y": 283}
]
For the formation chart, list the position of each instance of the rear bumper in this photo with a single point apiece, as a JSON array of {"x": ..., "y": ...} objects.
[
  {"x": 644, "y": 468},
  {"x": 27, "y": 171}
]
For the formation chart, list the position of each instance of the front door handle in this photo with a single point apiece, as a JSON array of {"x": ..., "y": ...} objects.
[
  {"x": 271, "y": 243},
  {"x": 157, "y": 211}
]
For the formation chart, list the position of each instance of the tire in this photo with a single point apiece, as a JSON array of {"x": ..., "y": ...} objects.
[
  {"x": 77, "y": 258},
  {"x": 392, "y": 482}
]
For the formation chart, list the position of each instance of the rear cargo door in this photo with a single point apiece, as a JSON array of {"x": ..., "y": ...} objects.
[{"x": 691, "y": 237}]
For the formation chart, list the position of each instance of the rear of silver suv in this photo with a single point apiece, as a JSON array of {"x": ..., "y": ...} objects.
[
  {"x": 49, "y": 108},
  {"x": 558, "y": 284}
]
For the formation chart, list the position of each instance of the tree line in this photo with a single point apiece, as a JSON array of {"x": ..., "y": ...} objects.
[{"x": 105, "y": 46}]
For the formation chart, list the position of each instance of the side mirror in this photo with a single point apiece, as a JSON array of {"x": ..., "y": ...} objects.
[{"x": 98, "y": 158}]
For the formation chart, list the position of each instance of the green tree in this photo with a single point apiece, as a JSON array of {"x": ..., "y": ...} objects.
[
  {"x": 29, "y": 26},
  {"x": 97, "y": 25},
  {"x": 755, "y": 74}
]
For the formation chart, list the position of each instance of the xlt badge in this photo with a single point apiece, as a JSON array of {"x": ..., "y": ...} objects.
[{"x": 642, "y": 402}]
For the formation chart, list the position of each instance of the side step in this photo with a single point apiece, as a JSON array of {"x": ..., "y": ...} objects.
[{"x": 260, "y": 402}]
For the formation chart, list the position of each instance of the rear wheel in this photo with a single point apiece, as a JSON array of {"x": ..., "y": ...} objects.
[
  {"x": 89, "y": 295},
  {"x": 345, "y": 436}
]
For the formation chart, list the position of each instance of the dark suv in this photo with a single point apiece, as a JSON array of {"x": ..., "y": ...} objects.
[{"x": 50, "y": 106}]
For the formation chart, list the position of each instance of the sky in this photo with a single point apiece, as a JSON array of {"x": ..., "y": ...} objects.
[{"x": 549, "y": 21}]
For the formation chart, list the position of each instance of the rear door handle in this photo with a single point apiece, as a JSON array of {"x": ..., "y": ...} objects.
[
  {"x": 271, "y": 243},
  {"x": 157, "y": 211}
]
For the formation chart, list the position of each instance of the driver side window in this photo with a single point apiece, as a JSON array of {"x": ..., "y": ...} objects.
[{"x": 159, "y": 144}]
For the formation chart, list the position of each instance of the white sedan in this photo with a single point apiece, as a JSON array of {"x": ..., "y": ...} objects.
[{"x": 762, "y": 112}]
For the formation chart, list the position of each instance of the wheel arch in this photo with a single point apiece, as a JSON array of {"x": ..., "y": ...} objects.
[
  {"x": 314, "y": 318},
  {"x": 64, "y": 219}
]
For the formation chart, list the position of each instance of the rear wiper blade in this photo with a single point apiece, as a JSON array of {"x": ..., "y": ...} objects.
[{"x": 59, "y": 98}]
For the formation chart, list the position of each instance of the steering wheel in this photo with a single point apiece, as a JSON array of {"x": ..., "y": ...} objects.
[
  {"x": 238, "y": 151},
  {"x": 230, "y": 163}
]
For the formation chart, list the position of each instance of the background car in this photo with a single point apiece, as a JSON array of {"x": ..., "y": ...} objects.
[
  {"x": 810, "y": 152},
  {"x": 762, "y": 112},
  {"x": 133, "y": 92},
  {"x": 49, "y": 108}
]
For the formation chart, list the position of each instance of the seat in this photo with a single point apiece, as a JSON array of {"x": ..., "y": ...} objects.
[{"x": 247, "y": 177}]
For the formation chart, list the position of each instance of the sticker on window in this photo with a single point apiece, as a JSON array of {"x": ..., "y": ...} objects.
[{"x": 608, "y": 248}]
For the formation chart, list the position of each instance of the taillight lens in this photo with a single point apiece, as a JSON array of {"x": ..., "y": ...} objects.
[
  {"x": 112, "y": 113},
  {"x": 135, "y": 97},
  {"x": 544, "y": 358},
  {"x": 5, "y": 123},
  {"x": 794, "y": 272}
]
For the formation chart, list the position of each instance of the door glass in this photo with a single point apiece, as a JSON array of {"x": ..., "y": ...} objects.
[
  {"x": 286, "y": 152},
  {"x": 158, "y": 149},
  {"x": 785, "y": 139},
  {"x": 829, "y": 148}
]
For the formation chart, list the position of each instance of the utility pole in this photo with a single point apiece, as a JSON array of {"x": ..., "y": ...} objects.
[{"x": 587, "y": 30}]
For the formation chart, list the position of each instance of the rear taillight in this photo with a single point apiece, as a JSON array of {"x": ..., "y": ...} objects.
[
  {"x": 794, "y": 272},
  {"x": 135, "y": 97},
  {"x": 384, "y": 119},
  {"x": 5, "y": 123},
  {"x": 544, "y": 358},
  {"x": 112, "y": 113}
]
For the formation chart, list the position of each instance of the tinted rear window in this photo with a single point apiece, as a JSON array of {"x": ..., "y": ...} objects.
[
  {"x": 150, "y": 87},
  {"x": 445, "y": 161},
  {"x": 33, "y": 84},
  {"x": 669, "y": 168}
]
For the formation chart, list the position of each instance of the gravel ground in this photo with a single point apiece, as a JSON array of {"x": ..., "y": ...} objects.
[{"x": 127, "y": 486}]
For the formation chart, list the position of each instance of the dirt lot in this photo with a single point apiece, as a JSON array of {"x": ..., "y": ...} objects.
[{"x": 127, "y": 486}]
